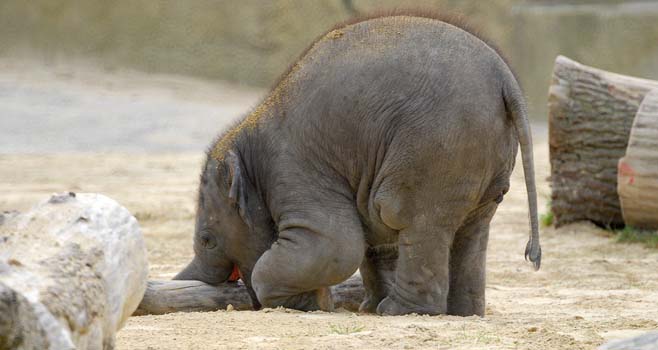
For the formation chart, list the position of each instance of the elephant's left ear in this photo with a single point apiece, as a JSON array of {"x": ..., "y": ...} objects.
[{"x": 237, "y": 194}]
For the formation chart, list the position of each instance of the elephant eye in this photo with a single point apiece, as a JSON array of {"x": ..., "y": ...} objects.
[{"x": 207, "y": 240}]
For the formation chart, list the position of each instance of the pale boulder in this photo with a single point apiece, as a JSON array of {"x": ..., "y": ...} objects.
[{"x": 72, "y": 270}]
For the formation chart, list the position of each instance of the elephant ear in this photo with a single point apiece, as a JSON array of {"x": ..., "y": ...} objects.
[{"x": 237, "y": 194}]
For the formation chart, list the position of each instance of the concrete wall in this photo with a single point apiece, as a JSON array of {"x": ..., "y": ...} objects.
[
  {"x": 246, "y": 41},
  {"x": 250, "y": 41},
  {"x": 621, "y": 37},
  {"x": 253, "y": 41}
]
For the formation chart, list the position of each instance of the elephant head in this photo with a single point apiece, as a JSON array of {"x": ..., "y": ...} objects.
[{"x": 233, "y": 228}]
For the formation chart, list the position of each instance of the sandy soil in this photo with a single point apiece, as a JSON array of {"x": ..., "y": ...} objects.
[{"x": 589, "y": 289}]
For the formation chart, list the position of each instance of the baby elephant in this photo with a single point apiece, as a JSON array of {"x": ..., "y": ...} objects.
[{"x": 386, "y": 147}]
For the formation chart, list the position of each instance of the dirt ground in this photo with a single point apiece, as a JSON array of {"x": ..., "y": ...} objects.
[{"x": 589, "y": 289}]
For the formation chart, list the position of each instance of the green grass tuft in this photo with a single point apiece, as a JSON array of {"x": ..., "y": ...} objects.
[
  {"x": 634, "y": 235},
  {"x": 142, "y": 216},
  {"x": 546, "y": 219},
  {"x": 346, "y": 329}
]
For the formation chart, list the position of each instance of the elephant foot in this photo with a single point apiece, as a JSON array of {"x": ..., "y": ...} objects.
[
  {"x": 466, "y": 307},
  {"x": 325, "y": 299},
  {"x": 369, "y": 305},
  {"x": 392, "y": 307}
]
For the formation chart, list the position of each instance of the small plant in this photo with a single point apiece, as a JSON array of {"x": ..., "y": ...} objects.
[
  {"x": 346, "y": 329},
  {"x": 546, "y": 219},
  {"x": 144, "y": 216},
  {"x": 482, "y": 337},
  {"x": 634, "y": 235}
]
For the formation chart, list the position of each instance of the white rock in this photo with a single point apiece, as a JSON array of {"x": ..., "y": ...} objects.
[
  {"x": 646, "y": 341},
  {"x": 72, "y": 270}
]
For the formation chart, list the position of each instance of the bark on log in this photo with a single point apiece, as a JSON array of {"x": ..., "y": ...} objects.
[
  {"x": 591, "y": 112},
  {"x": 72, "y": 270},
  {"x": 638, "y": 170},
  {"x": 163, "y": 297}
]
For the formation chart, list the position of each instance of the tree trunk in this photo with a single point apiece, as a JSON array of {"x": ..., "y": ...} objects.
[
  {"x": 72, "y": 270},
  {"x": 591, "y": 112},
  {"x": 163, "y": 297},
  {"x": 638, "y": 170}
]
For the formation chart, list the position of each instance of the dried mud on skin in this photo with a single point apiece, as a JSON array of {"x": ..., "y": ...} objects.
[{"x": 589, "y": 289}]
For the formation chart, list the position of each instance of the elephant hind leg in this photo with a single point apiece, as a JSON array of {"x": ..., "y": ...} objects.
[
  {"x": 426, "y": 224},
  {"x": 378, "y": 273},
  {"x": 467, "y": 264},
  {"x": 421, "y": 275}
]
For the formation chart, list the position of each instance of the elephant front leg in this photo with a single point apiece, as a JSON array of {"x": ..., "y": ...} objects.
[
  {"x": 421, "y": 277},
  {"x": 467, "y": 264},
  {"x": 378, "y": 273},
  {"x": 300, "y": 266}
]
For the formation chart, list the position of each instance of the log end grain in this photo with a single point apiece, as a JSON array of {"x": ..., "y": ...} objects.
[{"x": 638, "y": 170}]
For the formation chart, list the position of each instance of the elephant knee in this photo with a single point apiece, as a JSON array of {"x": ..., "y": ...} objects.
[
  {"x": 265, "y": 295},
  {"x": 271, "y": 297},
  {"x": 269, "y": 293},
  {"x": 263, "y": 283}
]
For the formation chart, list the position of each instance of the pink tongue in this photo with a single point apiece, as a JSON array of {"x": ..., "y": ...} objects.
[{"x": 235, "y": 274}]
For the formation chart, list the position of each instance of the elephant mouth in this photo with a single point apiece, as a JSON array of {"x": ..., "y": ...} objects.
[{"x": 237, "y": 275}]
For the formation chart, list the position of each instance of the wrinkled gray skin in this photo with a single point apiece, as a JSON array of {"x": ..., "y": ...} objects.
[{"x": 388, "y": 148}]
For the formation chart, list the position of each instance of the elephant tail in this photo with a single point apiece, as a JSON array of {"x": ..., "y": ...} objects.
[{"x": 516, "y": 110}]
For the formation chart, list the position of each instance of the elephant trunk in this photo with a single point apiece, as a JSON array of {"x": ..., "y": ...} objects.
[
  {"x": 196, "y": 271},
  {"x": 190, "y": 272}
]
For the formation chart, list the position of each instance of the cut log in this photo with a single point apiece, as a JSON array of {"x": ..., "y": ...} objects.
[
  {"x": 163, "y": 297},
  {"x": 591, "y": 112},
  {"x": 72, "y": 270},
  {"x": 638, "y": 170}
]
